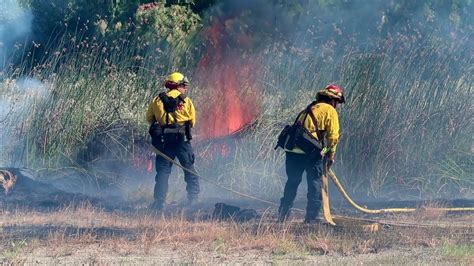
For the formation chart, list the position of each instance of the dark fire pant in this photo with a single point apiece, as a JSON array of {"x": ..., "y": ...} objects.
[
  {"x": 296, "y": 164},
  {"x": 184, "y": 151}
]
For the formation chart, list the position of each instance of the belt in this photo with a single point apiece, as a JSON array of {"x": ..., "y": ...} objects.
[{"x": 174, "y": 130}]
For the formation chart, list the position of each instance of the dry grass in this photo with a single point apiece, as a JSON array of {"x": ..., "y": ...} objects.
[
  {"x": 431, "y": 211},
  {"x": 67, "y": 231}
]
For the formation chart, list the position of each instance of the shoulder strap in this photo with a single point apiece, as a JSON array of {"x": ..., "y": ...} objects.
[
  {"x": 315, "y": 122},
  {"x": 175, "y": 118},
  {"x": 167, "y": 118},
  {"x": 182, "y": 97},
  {"x": 298, "y": 116},
  {"x": 162, "y": 95}
]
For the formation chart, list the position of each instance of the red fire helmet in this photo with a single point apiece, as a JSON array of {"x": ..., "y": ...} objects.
[{"x": 333, "y": 91}]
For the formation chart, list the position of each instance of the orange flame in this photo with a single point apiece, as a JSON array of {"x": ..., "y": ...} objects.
[{"x": 229, "y": 85}]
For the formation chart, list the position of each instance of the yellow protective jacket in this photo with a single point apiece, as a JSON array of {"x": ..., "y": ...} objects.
[
  {"x": 156, "y": 111},
  {"x": 328, "y": 124}
]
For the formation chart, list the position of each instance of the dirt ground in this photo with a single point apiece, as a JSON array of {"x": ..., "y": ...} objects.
[
  {"x": 97, "y": 254},
  {"x": 43, "y": 225},
  {"x": 84, "y": 234}
]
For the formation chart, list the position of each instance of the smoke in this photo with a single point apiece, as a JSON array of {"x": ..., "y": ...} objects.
[
  {"x": 251, "y": 27},
  {"x": 259, "y": 37},
  {"x": 16, "y": 101},
  {"x": 15, "y": 25},
  {"x": 31, "y": 87}
]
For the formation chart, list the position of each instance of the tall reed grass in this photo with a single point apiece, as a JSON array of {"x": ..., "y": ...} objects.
[
  {"x": 407, "y": 126},
  {"x": 406, "y": 129}
]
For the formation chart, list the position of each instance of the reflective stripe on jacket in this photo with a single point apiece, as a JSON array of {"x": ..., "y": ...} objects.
[{"x": 185, "y": 113}]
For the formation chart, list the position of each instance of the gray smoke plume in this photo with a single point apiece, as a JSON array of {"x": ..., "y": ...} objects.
[
  {"x": 15, "y": 25},
  {"x": 16, "y": 99},
  {"x": 312, "y": 33},
  {"x": 15, "y": 95}
]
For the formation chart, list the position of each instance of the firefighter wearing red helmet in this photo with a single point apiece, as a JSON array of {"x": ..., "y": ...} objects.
[
  {"x": 171, "y": 116},
  {"x": 320, "y": 119}
]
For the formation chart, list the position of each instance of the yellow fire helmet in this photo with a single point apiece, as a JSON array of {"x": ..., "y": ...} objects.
[{"x": 176, "y": 79}]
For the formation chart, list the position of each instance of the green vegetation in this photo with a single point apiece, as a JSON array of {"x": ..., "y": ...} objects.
[
  {"x": 407, "y": 126},
  {"x": 15, "y": 249},
  {"x": 461, "y": 253}
]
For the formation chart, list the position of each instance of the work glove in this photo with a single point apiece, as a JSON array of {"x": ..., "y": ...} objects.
[{"x": 325, "y": 151}]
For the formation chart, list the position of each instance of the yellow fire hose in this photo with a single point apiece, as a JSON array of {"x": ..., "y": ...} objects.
[
  {"x": 325, "y": 197},
  {"x": 380, "y": 211},
  {"x": 365, "y": 224}
]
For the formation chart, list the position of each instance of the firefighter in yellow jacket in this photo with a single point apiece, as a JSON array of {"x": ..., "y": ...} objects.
[
  {"x": 324, "y": 114},
  {"x": 171, "y": 116}
]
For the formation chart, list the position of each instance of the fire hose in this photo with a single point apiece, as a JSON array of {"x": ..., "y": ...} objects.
[
  {"x": 367, "y": 224},
  {"x": 374, "y": 226},
  {"x": 390, "y": 210}
]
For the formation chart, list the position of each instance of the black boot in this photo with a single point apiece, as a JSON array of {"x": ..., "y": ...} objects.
[
  {"x": 283, "y": 213},
  {"x": 193, "y": 199},
  {"x": 156, "y": 206},
  {"x": 314, "y": 218}
]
